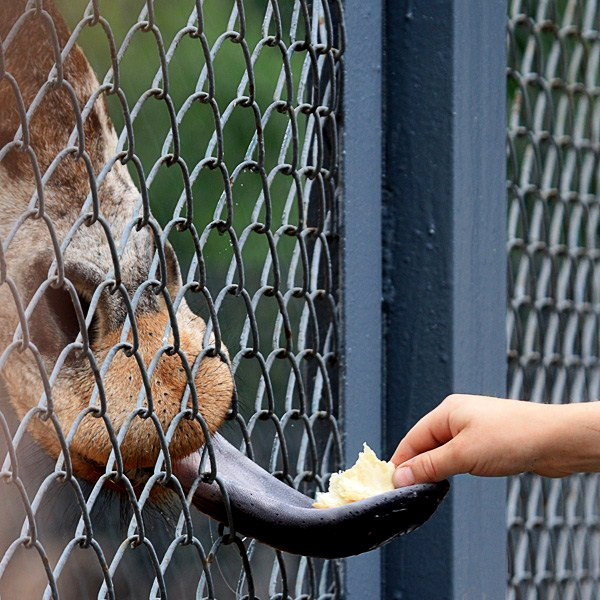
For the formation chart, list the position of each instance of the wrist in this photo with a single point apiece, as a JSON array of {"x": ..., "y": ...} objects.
[{"x": 570, "y": 442}]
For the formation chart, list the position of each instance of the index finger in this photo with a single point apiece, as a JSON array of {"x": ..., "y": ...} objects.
[{"x": 431, "y": 431}]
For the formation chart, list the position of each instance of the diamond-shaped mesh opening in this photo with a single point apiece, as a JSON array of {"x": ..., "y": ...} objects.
[
  {"x": 554, "y": 278},
  {"x": 228, "y": 148}
]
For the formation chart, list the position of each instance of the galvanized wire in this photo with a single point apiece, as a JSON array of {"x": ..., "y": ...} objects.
[
  {"x": 273, "y": 300},
  {"x": 554, "y": 279}
]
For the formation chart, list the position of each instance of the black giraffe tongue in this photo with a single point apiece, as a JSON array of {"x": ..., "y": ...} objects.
[{"x": 267, "y": 509}]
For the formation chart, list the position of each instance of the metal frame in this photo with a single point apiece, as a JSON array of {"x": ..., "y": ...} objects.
[
  {"x": 361, "y": 384},
  {"x": 444, "y": 271}
]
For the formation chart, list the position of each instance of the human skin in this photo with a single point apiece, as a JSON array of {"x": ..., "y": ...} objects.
[{"x": 493, "y": 437}]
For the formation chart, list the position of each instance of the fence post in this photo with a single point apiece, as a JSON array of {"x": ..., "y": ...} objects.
[
  {"x": 444, "y": 269},
  {"x": 361, "y": 257}
]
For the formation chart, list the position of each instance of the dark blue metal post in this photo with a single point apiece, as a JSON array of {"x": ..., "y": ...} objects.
[
  {"x": 361, "y": 257},
  {"x": 444, "y": 270}
]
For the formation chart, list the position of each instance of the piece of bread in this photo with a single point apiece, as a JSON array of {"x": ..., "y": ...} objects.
[{"x": 368, "y": 477}]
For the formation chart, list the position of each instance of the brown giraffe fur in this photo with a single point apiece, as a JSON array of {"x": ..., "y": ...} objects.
[{"x": 29, "y": 59}]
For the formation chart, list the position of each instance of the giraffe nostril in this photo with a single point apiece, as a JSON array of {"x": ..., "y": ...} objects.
[
  {"x": 55, "y": 321},
  {"x": 61, "y": 312}
]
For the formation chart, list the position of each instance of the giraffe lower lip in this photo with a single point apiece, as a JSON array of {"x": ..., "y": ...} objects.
[{"x": 267, "y": 509}]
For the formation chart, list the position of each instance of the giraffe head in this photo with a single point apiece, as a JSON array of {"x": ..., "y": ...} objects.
[{"x": 100, "y": 347}]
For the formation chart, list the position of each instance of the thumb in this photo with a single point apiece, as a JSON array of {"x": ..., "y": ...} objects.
[{"x": 429, "y": 467}]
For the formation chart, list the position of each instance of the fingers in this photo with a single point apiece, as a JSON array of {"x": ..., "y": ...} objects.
[
  {"x": 484, "y": 436},
  {"x": 431, "y": 431},
  {"x": 434, "y": 465}
]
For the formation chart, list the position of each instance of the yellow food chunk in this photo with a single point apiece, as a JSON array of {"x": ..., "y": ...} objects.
[{"x": 368, "y": 477}]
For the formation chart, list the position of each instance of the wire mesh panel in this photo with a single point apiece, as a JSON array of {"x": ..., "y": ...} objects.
[
  {"x": 554, "y": 279},
  {"x": 162, "y": 283}
]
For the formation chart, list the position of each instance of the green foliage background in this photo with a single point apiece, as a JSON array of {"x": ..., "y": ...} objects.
[{"x": 138, "y": 68}]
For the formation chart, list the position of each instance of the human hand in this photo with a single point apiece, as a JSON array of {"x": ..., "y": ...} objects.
[{"x": 496, "y": 437}]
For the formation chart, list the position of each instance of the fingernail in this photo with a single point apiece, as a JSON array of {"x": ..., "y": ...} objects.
[{"x": 403, "y": 476}]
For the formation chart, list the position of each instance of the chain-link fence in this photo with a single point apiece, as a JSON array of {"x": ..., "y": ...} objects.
[
  {"x": 229, "y": 113},
  {"x": 554, "y": 278}
]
